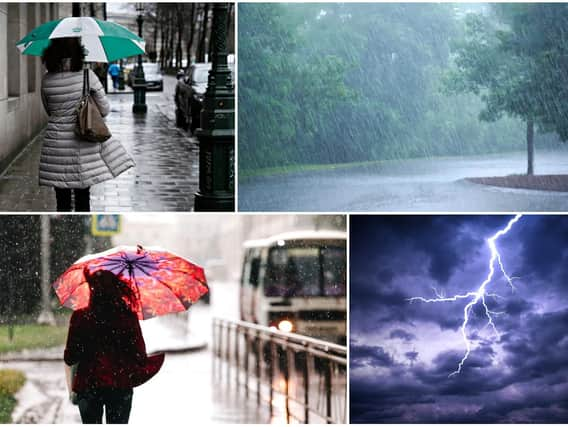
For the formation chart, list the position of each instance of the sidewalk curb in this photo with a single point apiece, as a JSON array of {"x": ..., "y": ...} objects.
[
  {"x": 183, "y": 349},
  {"x": 31, "y": 359},
  {"x": 168, "y": 350},
  {"x": 49, "y": 354},
  {"x": 23, "y": 152}
]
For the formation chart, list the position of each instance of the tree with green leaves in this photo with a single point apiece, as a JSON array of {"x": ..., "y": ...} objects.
[
  {"x": 283, "y": 92},
  {"x": 323, "y": 83},
  {"x": 516, "y": 59}
]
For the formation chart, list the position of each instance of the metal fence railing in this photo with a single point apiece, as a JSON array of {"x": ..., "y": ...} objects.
[{"x": 301, "y": 378}]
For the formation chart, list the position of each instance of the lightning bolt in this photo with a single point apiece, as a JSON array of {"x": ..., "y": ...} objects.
[{"x": 480, "y": 294}]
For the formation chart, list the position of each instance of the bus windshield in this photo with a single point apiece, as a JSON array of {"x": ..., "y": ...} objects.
[{"x": 306, "y": 272}]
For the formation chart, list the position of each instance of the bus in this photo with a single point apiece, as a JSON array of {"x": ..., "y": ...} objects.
[{"x": 296, "y": 282}]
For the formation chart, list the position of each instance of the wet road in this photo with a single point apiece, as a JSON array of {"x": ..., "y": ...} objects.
[
  {"x": 181, "y": 392},
  {"x": 423, "y": 185}
]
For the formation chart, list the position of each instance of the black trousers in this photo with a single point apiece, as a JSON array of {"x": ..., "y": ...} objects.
[
  {"x": 116, "y": 404},
  {"x": 82, "y": 199}
]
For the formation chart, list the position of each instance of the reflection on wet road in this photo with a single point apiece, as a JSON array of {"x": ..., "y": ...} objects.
[{"x": 421, "y": 185}]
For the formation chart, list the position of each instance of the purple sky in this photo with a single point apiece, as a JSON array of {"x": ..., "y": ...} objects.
[{"x": 401, "y": 353}]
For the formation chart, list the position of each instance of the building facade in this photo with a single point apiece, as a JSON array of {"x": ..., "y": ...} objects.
[{"x": 21, "y": 111}]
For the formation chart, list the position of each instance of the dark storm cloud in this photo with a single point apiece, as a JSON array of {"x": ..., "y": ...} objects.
[
  {"x": 368, "y": 313},
  {"x": 385, "y": 276},
  {"x": 402, "y": 334},
  {"x": 367, "y": 355},
  {"x": 375, "y": 303},
  {"x": 540, "y": 346},
  {"x": 544, "y": 245},
  {"x": 430, "y": 247},
  {"x": 517, "y": 306},
  {"x": 411, "y": 355},
  {"x": 521, "y": 377},
  {"x": 435, "y": 241}
]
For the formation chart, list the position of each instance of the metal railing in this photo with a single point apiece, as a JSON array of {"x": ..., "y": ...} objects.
[{"x": 304, "y": 379}]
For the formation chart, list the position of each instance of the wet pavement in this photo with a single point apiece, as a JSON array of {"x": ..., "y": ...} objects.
[
  {"x": 165, "y": 177},
  {"x": 422, "y": 185},
  {"x": 182, "y": 391}
]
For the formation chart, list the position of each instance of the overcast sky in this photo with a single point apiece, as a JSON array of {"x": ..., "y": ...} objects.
[{"x": 403, "y": 352}]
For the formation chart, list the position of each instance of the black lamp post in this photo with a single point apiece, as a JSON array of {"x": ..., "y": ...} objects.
[
  {"x": 216, "y": 134},
  {"x": 139, "y": 83},
  {"x": 121, "y": 76}
]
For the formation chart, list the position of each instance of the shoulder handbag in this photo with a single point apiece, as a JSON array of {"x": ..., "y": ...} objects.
[{"x": 90, "y": 124}]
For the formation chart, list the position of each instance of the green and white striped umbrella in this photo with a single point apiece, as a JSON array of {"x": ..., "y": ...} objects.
[{"x": 104, "y": 41}]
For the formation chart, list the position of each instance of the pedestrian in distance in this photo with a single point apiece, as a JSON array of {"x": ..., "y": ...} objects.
[
  {"x": 106, "y": 348},
  {"x": 68, "y": 163},
  {"x": 114, "y": 71}
]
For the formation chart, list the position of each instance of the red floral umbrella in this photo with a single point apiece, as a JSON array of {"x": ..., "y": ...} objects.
[{"x": 164, "y": 282}]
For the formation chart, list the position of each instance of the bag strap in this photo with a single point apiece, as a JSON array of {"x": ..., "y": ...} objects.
[{"x": 85, "y": 81}]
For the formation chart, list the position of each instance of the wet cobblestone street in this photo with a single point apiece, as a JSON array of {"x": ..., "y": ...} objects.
[{"x": 165, "y": 178}]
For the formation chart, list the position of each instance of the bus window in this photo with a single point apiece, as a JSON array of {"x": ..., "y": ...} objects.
[
  {"x": 251, "y": 268},
  {"x": 305, "y": 272},
  {"x": 254, "y": 270},
  {"x": 334, "y": 271}
]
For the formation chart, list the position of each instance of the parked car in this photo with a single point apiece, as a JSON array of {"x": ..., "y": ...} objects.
[
  {"x": 189, "y": 94},
  {"x": 152, "y": 75}
]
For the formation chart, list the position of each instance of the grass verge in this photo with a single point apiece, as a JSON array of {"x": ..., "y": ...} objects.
[
  {"x": 10, "y": 382},
  {"x": 281, "y": 170},
  {"x": 31, "y": 336}
]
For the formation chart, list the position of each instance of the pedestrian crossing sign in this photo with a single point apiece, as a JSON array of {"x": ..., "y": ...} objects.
[{"x": 105, "y": 225}]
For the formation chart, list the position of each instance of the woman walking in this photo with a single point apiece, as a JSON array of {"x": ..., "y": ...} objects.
[
  {"x": 68, "y": 163},
  {"x": 105, "y": 342}
]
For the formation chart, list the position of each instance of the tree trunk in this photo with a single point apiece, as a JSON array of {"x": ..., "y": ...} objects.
[
  {"x": 180, "y": 23},
  {"x": 76, "y": 9},
  {"x": 162, "y": 42},
  {"x": 203, "y": 34},
  {"x": 155, "y": 32},
  {"x": 171, "y": 35},
  {"x": 530, "y": 147},
  {"x": 190, "y": 34}
]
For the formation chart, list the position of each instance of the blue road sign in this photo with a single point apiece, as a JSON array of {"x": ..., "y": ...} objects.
[{"x": 105, "y": 225}]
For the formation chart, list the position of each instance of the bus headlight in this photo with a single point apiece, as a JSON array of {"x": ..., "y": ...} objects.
[{"x": 285, "y": 326}]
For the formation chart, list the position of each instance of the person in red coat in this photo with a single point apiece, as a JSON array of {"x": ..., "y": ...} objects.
[{"x": 105, "y": 343}]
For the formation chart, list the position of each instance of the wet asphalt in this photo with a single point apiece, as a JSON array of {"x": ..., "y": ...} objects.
[{"x": 421, "y": 185}]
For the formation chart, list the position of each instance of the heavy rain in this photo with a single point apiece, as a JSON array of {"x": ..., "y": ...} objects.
[
  {"x": 265, "y": 344},
  {"x": 403, "y": 107}
]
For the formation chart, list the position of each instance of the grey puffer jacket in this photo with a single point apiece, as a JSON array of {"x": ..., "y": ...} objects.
[{"x": 66, "y": 161}]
